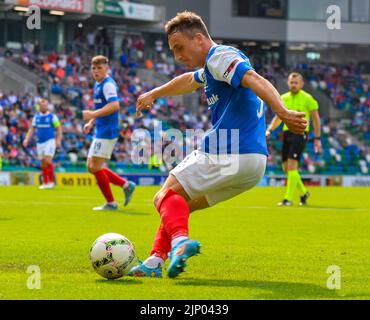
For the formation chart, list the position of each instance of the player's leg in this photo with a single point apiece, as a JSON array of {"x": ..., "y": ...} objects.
[
  {"x": 293, "y": 176},
  {"x": 45, "y": 174},
  {"x": 48, "y": 157},
  {"x": 210, "y": 179},
  {"x": 95, "y": 167},
  {"x": 128, "y": 187},
  {"x": 152, "y": 266},
  {"x": 300, "y": 185},
  {"x": 40, "y": 147},
  {"x": 294, "y": 180},
  {"x": 49, "y": 171},
  {"x": 287, "y": 145},
  {"x": 171, "y": 202},
  {"x": 101, "y": 151},
  {"x": 198, "y": 204}
]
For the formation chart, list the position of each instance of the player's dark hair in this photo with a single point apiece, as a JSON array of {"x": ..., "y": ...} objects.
[{"x": 188, "y": 23}]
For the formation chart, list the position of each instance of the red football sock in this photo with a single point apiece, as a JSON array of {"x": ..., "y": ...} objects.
[
  {"x": 45, "y": 175},
  {"x": 114, "y": 177},
  {"x": 51, "y": 172},
  {"x": 162, "y": 244},
  {"x": 174, "y": 212},
  {"x": 103, "y": 183}
]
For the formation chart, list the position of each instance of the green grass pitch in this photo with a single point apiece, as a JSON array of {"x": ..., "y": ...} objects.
[{"x": 251, "y": 249}]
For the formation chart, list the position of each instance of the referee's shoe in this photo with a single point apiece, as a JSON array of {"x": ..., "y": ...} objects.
[
  {"x": 304, "y": 199},
  {"x": 285, "y": 203}
]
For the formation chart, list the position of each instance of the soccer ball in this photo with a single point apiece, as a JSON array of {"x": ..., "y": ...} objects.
[{"x": 112, "y": 255}]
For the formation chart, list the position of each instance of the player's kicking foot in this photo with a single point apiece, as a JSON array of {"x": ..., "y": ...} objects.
[
  {"x": 285, "y": 203},
  {"x": 304, "y": 199},
  {"x": 179, "y": 254},
  {"x": 141, "y": 270},
  {"x": 106, "y": 207},
  {"x": 129, "y": 191}
]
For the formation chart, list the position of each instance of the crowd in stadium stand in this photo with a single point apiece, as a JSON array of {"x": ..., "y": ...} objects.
[
  {"x": 349, "y": 88},
  {"x": 72, "y": 91},
  {"x": 71, "y": 87}
]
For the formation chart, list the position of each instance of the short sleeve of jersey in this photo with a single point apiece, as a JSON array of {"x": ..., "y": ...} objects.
[
  {"x": 199, "y": 76},
  {"x": 56, "y": 122},
  {"x": 312, "y": 104},
  {"x": 228, "y": 65},
  {"x": 110, "y": 92}
]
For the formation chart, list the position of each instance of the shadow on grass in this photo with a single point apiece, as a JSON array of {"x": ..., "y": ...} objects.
[
  {"x": 126, "y": 212},
  {"x": 129, "y": 212},
  {"x": 122, "y": 281},
  {"x": 270, "y": 290}
]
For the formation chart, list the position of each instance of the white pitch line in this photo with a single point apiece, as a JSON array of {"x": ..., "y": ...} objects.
[
  {"x": 48, "y": 203},
  {"x": 276, "y": 208},
  {"x": 149, "y": 204}
]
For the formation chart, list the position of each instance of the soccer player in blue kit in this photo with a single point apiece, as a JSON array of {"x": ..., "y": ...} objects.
[
  {"x": 105, "y": 117},
  {"x": 220, "y": 169},
  {"x": 45, "y": 124}
]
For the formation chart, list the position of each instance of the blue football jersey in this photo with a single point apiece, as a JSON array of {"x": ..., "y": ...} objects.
[
  {"x": 45, "y": 125},
  {"x": 105, "y": 92},
  {"x": 237, "y": 113}
]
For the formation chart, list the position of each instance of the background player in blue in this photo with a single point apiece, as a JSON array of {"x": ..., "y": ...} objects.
[
  {"x": 45, "y": 124},
  {"x": 235, "y": 95},
  {"x": 105, "y": 117}
]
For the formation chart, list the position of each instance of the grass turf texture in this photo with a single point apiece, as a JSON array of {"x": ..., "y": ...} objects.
[{"x": 251, "y": 249}]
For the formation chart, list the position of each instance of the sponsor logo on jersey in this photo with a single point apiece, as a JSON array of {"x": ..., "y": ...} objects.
[{"x": 212, "y": 100}]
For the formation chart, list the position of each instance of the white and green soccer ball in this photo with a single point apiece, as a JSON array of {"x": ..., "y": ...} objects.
[{"x": 112, "y": 255}]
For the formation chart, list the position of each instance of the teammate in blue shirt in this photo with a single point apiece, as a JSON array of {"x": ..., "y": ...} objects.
[
  {"x": 232, "y": 158},
  {"x": 105, "y": 118},
  {"x": 45, "y": 124}
]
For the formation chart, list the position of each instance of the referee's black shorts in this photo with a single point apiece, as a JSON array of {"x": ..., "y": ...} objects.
[{"x": 293, "y": 146}]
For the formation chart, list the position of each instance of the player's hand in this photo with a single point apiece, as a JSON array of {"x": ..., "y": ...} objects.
[
  {"x": 145, "y": 101},
  {"x": 87, "y": 115},
  {"x": 268, "y": 134},
  {"x": 87, "y": 128},
  {"x": 295, "y": 121},
  {"x": 25, "y": 143},
  {"x": 317, "y": 146}
]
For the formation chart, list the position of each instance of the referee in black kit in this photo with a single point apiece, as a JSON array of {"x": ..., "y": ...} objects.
[{"x": 293, "y": 145}]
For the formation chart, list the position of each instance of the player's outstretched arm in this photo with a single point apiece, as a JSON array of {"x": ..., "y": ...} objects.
[
  {"x": 295, "y": 121},
  {"x": 182, "y": 84},
  {"x": 28, "y": 136}
]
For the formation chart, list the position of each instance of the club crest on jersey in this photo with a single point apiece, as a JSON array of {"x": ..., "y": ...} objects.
[{"x": 231, "y": 67}]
